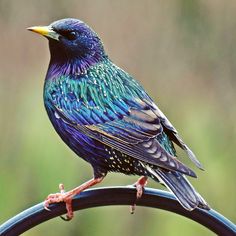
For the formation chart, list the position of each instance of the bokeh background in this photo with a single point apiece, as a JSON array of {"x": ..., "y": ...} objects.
[{"x": 182, "y": 51}]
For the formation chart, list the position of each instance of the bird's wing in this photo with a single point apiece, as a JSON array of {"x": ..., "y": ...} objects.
[
  {"x": 131, "y": 127},
  {"x": 110, "y": 106},
  {"x": 173, "y": 135}
]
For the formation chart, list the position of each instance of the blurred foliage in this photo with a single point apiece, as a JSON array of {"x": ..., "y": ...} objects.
[{"x": 182, "y": 51}]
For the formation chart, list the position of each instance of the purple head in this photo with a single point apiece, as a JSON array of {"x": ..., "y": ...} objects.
[{"x": 73, "y": 44}]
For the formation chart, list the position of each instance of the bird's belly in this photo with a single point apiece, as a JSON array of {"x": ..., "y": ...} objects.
[{"x": 85, "y": 147}]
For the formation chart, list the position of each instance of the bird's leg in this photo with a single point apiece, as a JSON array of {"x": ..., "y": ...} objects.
[
  {"x": 68, "y": 196},
  {"x": 140, "y": 184}
]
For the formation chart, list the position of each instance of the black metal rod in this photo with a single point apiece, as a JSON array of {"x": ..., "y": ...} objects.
[{"x": 117, "y": 196}]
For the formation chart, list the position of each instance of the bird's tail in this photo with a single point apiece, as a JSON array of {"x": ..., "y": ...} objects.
[{"x": 180, "y": 187}]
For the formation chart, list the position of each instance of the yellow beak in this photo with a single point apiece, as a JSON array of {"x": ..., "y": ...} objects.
[{"x": 46, "y": 31}]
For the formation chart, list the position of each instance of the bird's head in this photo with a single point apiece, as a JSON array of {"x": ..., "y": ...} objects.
[{"x": 71, "y": 40}]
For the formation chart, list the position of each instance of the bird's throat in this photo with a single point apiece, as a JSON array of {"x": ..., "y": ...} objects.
[
  {"x": 72, "y": 67},
  {"x": 63, "y": 62}
]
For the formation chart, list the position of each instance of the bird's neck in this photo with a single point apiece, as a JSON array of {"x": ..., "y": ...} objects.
[{"x": 72, "y": 67}]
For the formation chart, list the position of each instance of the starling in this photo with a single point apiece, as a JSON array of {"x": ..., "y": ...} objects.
[{"x": 106, "y": 117}]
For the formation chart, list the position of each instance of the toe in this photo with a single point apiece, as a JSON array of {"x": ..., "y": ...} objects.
[
  {"x": 69, "y": 209},
  {"x": 132, "y": 209},
  {"x": 139, "y": 191}
]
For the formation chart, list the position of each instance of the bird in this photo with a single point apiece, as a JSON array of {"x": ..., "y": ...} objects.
[{"x": 108, "y": 119}]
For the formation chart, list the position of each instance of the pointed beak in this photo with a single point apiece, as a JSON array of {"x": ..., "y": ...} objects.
[{"x": 46, "y": 31}]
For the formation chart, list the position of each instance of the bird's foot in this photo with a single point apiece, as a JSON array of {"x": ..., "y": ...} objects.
[
  {"x": 140, "y": 184},
  {"x": 61, "y": 197},
  {"x": 68, "y": 196}
]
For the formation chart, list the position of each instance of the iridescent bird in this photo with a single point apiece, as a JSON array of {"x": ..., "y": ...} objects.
[{"x": 105, "y": 116}]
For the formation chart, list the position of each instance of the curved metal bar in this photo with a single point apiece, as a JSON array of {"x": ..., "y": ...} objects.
[{"x": 117, "y": 196}]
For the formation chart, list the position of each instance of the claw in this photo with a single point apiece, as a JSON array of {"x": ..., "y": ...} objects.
[
  {"x": 46, "y": 207},
  {"x": 65, "y": 218}
]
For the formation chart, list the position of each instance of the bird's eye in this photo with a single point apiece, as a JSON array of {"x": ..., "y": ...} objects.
[{"x": 70, "y": 35}]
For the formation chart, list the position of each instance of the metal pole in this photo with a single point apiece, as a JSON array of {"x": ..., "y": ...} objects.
[{"x": 117, "y": 196}]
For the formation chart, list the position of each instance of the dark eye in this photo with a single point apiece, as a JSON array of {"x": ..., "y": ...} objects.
[{"x": 70, "y": 35}]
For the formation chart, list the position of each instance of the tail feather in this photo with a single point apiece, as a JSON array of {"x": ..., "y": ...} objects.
[{"x": 180, "y": 187}]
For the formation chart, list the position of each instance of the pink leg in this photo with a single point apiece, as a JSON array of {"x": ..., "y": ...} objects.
[{"x": 68, "y": 196}]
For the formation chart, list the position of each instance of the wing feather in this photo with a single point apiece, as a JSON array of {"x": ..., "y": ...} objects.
[{"x": 148, "y": 151}]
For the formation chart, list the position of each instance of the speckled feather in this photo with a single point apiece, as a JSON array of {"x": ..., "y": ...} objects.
[{"x": 107, "y": 118}]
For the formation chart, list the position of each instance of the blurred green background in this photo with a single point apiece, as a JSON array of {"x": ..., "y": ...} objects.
[{"x": 182, "y": 51}]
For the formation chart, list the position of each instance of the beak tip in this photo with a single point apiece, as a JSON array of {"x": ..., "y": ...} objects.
[{"x": 30, "y": 28}]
